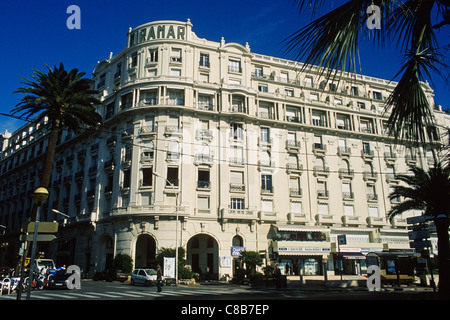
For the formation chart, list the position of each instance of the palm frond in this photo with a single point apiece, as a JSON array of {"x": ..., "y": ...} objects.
[{"x": 331, "y": 41}]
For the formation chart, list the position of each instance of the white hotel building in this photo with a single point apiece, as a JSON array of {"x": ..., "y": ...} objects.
[{"x": 245, "y": 149}]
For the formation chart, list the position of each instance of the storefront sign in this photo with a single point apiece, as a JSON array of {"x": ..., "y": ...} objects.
[
  {"x": 169, "y": 267},
  {"x": 236, "y": 251},
  {"x": 303, "y": 249},
  {"x": 157, "y": 32},
  {"x": 225, "y": 261}
]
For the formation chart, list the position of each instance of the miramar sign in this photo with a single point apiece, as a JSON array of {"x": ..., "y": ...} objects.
[{"x": 155, "y": 32}]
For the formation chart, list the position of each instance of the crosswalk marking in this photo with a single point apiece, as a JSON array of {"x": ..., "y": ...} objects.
[{"x": 139, "y": 293}]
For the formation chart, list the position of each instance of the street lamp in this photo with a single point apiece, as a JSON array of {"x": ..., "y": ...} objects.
[
  {"x": 39, "y": 196},
  {"x": 176, "y": 226}
]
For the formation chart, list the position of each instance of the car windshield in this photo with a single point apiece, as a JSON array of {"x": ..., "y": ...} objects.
[
  {"x": 46, "y": 263},
  {"x": 151, "y": 271}
]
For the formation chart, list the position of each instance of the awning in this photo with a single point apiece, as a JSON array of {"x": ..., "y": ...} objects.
[
  {"x": 301, "y": 228},
  {"x": 352, "y": 255}
]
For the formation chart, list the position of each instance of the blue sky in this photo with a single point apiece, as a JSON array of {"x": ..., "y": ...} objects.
[{"x": 34, "y": 33}]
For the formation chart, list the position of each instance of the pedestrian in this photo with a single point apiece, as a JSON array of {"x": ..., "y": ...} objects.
[
  {"x": 159, "y": 278},
  {"x": 277, "y": 273}
]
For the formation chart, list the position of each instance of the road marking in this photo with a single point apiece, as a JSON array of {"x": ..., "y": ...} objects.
[{"x": 104, "y": 294}]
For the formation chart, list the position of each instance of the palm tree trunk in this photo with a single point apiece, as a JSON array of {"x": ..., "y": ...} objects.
[
  {"x": 50, "y": 155},
  {"x": 49, "y": 158},
  {"x": 442, "y": 225}
]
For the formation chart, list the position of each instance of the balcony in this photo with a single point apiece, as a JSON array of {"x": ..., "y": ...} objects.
[
  {"x": 238, "y": 214},
  {"x": 295, "y": 192},
  {"x": 236, "y": 161},
  {"x": 351, "y": 220},
  {"x": 294, "y": 167},
  {"x": 367, "y": 175},
  {"x": 203, "y": 134},
  {"x": 371, "y": 197},
  {"x": 267, "y": 190},
  {"x": 203, "y": 159},
  {"x": 237, "y": 187},
  {"x": 322, "y": 194},
  {"x": 147, "y": 131},
  {"x": 376, "y": 221},
  {"x": 348, "y": 195},
  {"x": 319, "y": 148},
  {"x": 173, "y": 130},
  {"x": 319, "y": 170},
  {"x": 346, "y": 173},
  {"x": 205, "y": 185},
  {"x": 292, "y": 145},
  {"x": 344, "y": 151}
]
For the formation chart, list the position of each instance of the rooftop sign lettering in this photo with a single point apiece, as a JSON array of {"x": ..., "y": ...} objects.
[{"x": 157, "y": 32}]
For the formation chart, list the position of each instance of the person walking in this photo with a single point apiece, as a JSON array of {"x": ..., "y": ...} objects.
[{"x": 159, "y": 278}]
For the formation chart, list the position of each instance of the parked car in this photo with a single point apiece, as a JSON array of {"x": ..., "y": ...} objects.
[
  {"x": 58, "y": 279},
  {"x": 146, "y": 277},
  {"x": 111, "y": 275}
]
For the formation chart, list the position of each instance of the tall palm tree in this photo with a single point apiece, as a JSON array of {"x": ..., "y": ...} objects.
[
  {"x": 66, "y": 98},
  {"x": 429, "y": 191},
  {"x": 331, "y": 41}
]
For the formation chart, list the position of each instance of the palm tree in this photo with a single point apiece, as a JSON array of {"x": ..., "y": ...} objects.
[
  {"x": 429, "y": 191},
  {"x": 66, "y": 98},
  {"x": 331, "y": 41}
]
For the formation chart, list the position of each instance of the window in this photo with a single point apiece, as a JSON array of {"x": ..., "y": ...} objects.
[
  {"x": 204, "y": 60},
  {"x": 322, "y": 189},
  {"x": 153, "y": 55},
  {"x": 289, "y": 92},
  {"x": 318, "y": 118},
  {"x": 172, "y": 176},
  {"x": 234, "y": 65},
  {"x": 126, "y": 178},
  {"x": 236, "y": 131},
  {"x": 237, "y": 181},
  {"x": 284, "y": 77},
  {"x": 173, "y": 152},
  {"x": 366, "y": 148},
  {"x": 259, "y": 72},
  {"x": 355, "y": 91},
  {"x": 322, "y": 208},
  {"x": 237, "y": 204},
  {"x": 147, "y": 177},
  {"x": 133, "y": 62},
  {"x": 349, "y": 210},
  {"x": 377, "y": 95},
  {"x": 175, "y": 97},
  {"x": 308, "y": 82},
  {"x": 263, "y": 88},
  {"x": 373, "y": 212},
  {"x": 266, "y": 183},
  {"x": 101, "y": 81},
  {"x": 118, "y": 71},
  {"x": 267, "y": 205},
  {"x": 347, "y": 190},
  {"x": 294, "y": 186},
  {"x": 203, "y": 202},
  {"x": 175, "y": 55},
  {"x": 203, "y": 179},
  {"x": 175, "y": 72},
  {"x": 205, "y": 102},
  {"x": 296, "y": 207},
  {"x": 292, "y": 114},
  {"x": 265, "y": 135}
]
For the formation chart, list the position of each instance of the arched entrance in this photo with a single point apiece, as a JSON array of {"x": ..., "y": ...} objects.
[
  {"x": 203, "y": 256},
  {"x": 106, "y": 253},
  {"x": 145, "y": 251}
]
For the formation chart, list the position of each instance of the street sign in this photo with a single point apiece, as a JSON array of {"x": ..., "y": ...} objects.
[
  {"x": 420, "y": 244},
  {"x": 418, "y": 219},
  {"x": 418, "y": 235},
  {"x": 43, "y": 227},
  {"x": 40, "y": 237}
]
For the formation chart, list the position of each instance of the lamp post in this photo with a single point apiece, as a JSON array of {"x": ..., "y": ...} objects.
[
  {"x": 176, "y": 226},
  {"x": 39, "y": 196}
]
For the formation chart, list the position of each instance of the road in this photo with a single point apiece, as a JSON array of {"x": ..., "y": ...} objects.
[{"x": 92, "y": 290}]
